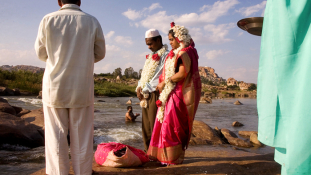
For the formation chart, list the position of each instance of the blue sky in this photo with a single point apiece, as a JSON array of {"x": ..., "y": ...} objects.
[{"x": 212, "y": 24}]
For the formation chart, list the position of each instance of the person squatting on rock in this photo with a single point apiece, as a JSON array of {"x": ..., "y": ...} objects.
[
  {"x": 146, "y": 89},
  {"x": 70, "y": 41},
  {"x": 129, "y": 116}
]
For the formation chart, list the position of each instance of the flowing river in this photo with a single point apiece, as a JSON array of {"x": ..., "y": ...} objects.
[{"x": 110, "y": 126}]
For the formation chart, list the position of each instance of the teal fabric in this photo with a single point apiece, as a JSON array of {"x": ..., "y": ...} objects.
[{"x": 284, "y": 84}]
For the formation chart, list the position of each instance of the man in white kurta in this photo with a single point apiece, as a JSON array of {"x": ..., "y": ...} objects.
[{"x": 70, "y": 42}]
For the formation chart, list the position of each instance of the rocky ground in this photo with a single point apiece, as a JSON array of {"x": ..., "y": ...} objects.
[
  {"x": 21, "y": 126},
  {"x": 211, "y": 151},
  {"x": 221, "y": 160}
]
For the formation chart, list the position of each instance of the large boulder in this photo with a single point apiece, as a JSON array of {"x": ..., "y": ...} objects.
[
  {"x": 6, "y": 107},
  {"x": 17, "y": 109},
  {"x": 6, "y": 91},
  {"x": 234, "y": 140},
  {"x": 3, "y": 100},
  {"x": 23, "y": 112},
  {"x": 247, "y": 133},
  {"x": 35, "y": 117},
  {"x": 16, "y": 92},
  {"x": 254, "y": 139},
  {"x": 14, "y": 130},
  {"x": 204, "y": 134}
]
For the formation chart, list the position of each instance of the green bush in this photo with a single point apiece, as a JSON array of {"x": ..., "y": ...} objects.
[
  {"x": 252, "y": 87},
  {"x": 234, "y": 87},
  {"x": 113, "y": 89},
  {"x": 23, "y": 80}
]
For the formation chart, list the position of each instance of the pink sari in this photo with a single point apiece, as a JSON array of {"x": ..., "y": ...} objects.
[{"x": 170, "y": 139}]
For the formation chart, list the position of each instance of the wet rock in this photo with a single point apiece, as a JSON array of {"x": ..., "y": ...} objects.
[
  {"x": 129, "y": 102},
  {"x": 6, "y": 107},
  {"x": 247, "y": 133},
  {"x": 217, "y": 130},
  {"x": 40, "y": 95},
  {"x": 254, "y": 139},
  {"x": 205, "y": 100},
  {"x": 204, "y": 134},
  {"x": 35, "y": 117},
  {"x": 228, "y": 133},
  {"x": 238, "y": 103},
  {"x": 237, "y": 124},
  {"x": 23, "y": 112},
  {"x": 14, "y": 130},
  {"x": 3, "y": 100},
  {"x": 16, "y": 92},
  {"x": 234, "y": 140},
  {"x": 17, "y": 109},
  {"x": 4, "y": 91}
]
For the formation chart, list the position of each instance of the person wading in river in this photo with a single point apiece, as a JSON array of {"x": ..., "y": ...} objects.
[
  {"x": 129, "y": 116},
  {"x": 146, "y": 89},
  {"x": 70, "y": 42}
]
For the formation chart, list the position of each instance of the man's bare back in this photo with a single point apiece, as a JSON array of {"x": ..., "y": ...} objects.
[{"x": 129, "y": 116}]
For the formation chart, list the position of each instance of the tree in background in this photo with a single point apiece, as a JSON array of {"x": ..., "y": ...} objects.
[
  {"x": 233, "y": 87},
  {"x": 135, "y": 75},
  {"x": 117, "y": 72},
  {"x": 252, "y": 87},
  {"x": 214, "y": 91},
  {"x": 128, "y": 72}
]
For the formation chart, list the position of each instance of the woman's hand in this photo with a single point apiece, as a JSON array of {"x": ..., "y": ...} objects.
[
  {"x": 179, "y": 75},
  {"x": 160, "y": 86}
]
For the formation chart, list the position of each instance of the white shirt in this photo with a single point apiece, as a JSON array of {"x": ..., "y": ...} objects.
[
  {"x": 153, "y": 83},
  {"x": 70, "y": 42}
]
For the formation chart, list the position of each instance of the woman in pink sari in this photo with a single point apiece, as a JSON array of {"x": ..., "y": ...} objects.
[{"x": 172, "y": 130}]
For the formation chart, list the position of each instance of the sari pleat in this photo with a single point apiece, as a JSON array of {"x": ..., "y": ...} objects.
[{"x": 171, "y": 138}]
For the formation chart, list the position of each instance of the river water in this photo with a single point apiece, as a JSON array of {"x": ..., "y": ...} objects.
[{"x": 110, "y": 126}]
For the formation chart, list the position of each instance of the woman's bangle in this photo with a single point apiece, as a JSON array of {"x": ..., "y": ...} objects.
[{"x": 168, "y": 80}]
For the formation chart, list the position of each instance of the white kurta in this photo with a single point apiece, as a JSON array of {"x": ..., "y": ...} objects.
[{"x": 69, "y": 41}]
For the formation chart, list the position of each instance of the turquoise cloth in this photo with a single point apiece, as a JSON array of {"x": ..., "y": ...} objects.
[{"x": 284, "y": 84}]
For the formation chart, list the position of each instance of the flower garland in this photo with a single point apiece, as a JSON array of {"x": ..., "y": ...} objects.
[
  {"x": 150, "y": 66},
  {"x": 169, "y": 85},
  {"x": 181, "y": 33}
]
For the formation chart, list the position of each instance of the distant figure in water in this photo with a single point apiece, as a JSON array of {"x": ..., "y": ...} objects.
[{"x": 129, "y": 116}]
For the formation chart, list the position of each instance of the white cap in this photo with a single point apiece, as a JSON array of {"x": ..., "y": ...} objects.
[{"x": 152, "y": 33}]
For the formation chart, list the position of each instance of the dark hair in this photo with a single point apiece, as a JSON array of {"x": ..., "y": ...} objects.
[
  {"x": 129, "y": 107},
  {"x": 156, "y": 38},
  {"x": 171, "y": 32},
  {"x": 70, "y": 1}
]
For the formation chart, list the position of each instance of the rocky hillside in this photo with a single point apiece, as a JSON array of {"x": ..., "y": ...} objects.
[
  {"x": 33, "y": 69},
  {"x": 209, "y": 74}
]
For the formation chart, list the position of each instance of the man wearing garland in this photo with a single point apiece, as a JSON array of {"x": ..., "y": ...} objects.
[{"x": 146, "y": 89}]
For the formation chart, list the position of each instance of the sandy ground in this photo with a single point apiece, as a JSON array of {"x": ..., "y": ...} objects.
[{"x": 218, "y": 160}]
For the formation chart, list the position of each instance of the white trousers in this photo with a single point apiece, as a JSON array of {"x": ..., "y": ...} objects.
[{"x": 79, "y": 121}]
